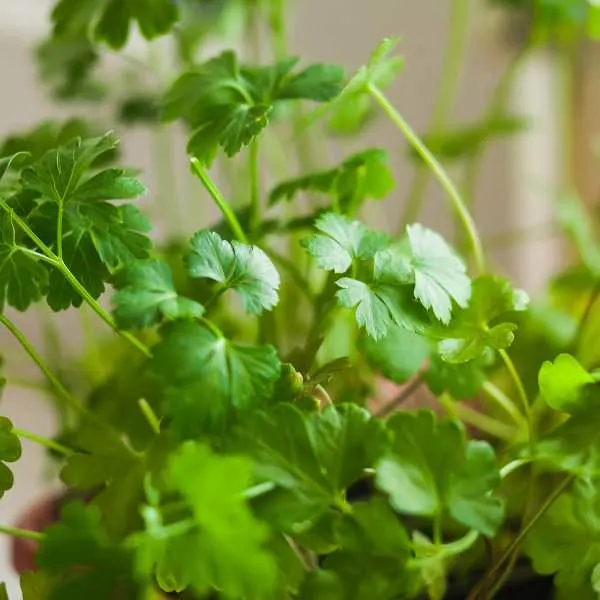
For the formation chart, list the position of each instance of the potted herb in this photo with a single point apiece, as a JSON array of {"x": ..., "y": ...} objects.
[{"x": 230, "y": 439}]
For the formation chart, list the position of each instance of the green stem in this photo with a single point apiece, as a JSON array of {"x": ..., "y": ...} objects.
[
  {"x": 59, "y": 233},
  {"x": 210, "y": 325},
  {"x": 504, "y": 402},
  {"x": 253, "y": 167},
  {"x": 24, "y": 534},
  {"x": 258, "y": 490},
  {"x": 513, "y": 466},
  {"x": 439, "y": 172},
  {"x": 510, "y": 367},
  {"x": 42, "y": 441},
  {"x": 216, "y": 195},
  {"x": 489, "y": 577},
  {"x": 445, "y": 98},
  {"x": 41, "y": 363},
  {"x": 278, "y": 29},
  {"x": 149, "y": 415}
]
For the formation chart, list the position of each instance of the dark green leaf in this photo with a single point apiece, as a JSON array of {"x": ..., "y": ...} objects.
[
  {"x": 100, "y": 568},
  {"x": 147, "y": 296},
  {"x": 10, "y": 452},
  {"x": 433, "y": 471},
  {"x": 226, "y": 547},
  {"x": 341, "y": 242},
  {"x": 234, "y": 265},
  {"x": 461, "y": 381},
  {"x": 209, "y": 379}
]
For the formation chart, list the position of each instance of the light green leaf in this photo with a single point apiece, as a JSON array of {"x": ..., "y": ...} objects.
[
  {"x": 433, "y": 471},
  {"x": 380, "y": 307},
  {"x": 209, "y": 380},
  {"x": 241, "y": 267},
  {"x": 146, "y": 296},
  {"x": 341, "y": 242}
]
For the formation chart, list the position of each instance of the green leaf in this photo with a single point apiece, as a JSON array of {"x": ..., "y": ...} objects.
[
  {"x": 243, "y": 268},
  {"x": 462, "y": 381},
  {"x": 10, "y": 452},
  {"x": 379, "y": 307},
  {"x": 23, "y": 277},
  {"x": 227, "y": 105},
  {"x": 440, "y": 276},
  {"x": 341, "y": 242},
  {"x": 312, "y": 457},
  {"x": 363, "y": 176},
  {"x": 226, "y": 547},
  {"x": 433, "y": 471},
  {"x": 146, "y": 296},
  {"x": 351, "y": 109},
  {"x": 484, "y": 323},
  {"x": 36, "y": 586},
  {"x": 3, "y": 592},
  {"x": 111, "y": 20},
  {"x": 208, "y": 379},
  {"x": 563, "y": 383},
  {"x": 105, "y": 461},
  {"x": 399, "y": 355},
  {"x": 97, "y": 236},
  {"x": 99, "y": 568}
]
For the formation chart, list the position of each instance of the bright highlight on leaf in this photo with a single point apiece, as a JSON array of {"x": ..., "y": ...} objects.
[
  {"x": 146, "y": 296},
  {"x": 245, "y": 269}
]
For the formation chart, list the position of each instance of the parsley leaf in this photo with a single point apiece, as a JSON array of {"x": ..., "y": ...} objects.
[
  {"x": 111, "y": 20},
  {"x": 312, "y": 457},
  {"x": 10, "y": 451},
  {"x": 379, "y": 307},
  {"x": 228, "y": 105},
  {"x": 241, "y": 267},
  {"x": 483, "y": 323},
  {"x": 440, "y": 276},
  {"x": 341, "y": 242},
  {"x": 433, "y": 471},
  {"x": 463, "y": 381},
  {"x": 147, "y": 296},
  {"x": 106, "y": 461},
  {"x": 352, "y": 108},
  {"x": 360, "y": 177},
  {"x": 224, "y": 549},
  {"x": 97, "y": 236},
  {"x": 98, "y": 568},
  {"x": 208, "y": 379},
  {"x": 399, "y": 355}
]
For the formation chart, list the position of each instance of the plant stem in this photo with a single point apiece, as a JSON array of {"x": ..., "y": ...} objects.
[
  {"x": 42, "y": 441},
  {"x": 439, "y": 172},
  {"x": 24, "y": 534},
  {"x": 216, "y": 195},
  {"x": 259, "y": 489},
  {"x": 41, "y": 363},
  {"x": 150, "y": 415},
  {"x": 401, "y": 398},
  {"x": 253, "y": 168},
  {"x": 480, "y": 421},
  {"x": 512, "y": 466},
  {"x": 445, "y": 96},
  {"x": 489, "y": 577},
  {"x": 510, "y": 367},
  {"x": 504, "y": 402},
  {"x": 59, "y": 232}
]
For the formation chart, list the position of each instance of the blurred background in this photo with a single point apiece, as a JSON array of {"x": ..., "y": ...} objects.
[{"x": 518, "y": 175}]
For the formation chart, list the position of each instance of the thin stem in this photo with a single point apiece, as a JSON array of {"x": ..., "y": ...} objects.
[
  {"x": 278, "y": 29},
  {"x": 253, "y": 168},
  {"x": 510, "y": 367},
  {"x": 489, "y": 577},
  {"x": 480, "y": 421},
  {"x": 504, "y": 402},
  {"x": 42, "y": 441},
  {"x": 212, "y": 327},
  {"x": 59, "y": 233},
  {"x": 149, "y": 415},
  {"x": 445, "y": 98},
  {"x": 42, "y": 365},
  {"x": 513, "y": 466},
  {"x": 216, "y": 195},
  {"x": 401, "y": 398},
  {"x": 24, "y": 534},
  {"x": 259, "y": 489},
  {"x": 439, "y": 172}
]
